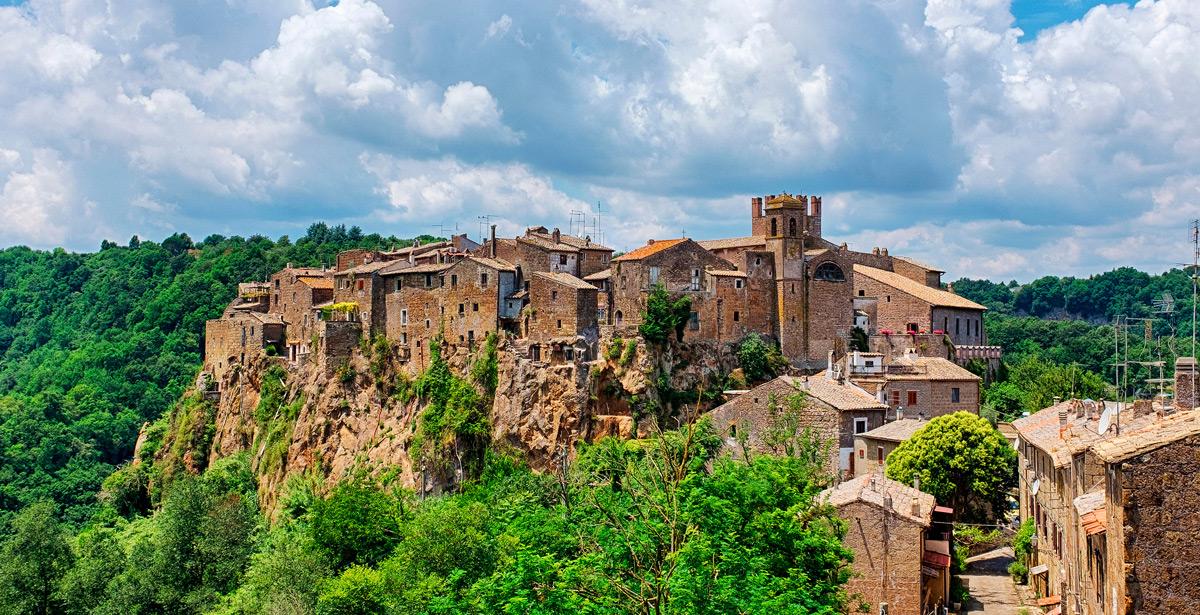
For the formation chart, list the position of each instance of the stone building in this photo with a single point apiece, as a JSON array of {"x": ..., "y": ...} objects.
[
  {"x": 905, "y": 305},
  {"x": 678, "y": 265},
  {"x": 835, "y": 411},
  {"x": 872, "y": 448},
  {"x": 1105, "y": 484},
  {"x": 918, "y": 386},
  {"x": 238, "y": 334},
  {"x": 562, "y": 310},
  {"x": 540, "y": 249},
  {"x": 901, "y": 542},
  {"x": 295, "y": 292}
]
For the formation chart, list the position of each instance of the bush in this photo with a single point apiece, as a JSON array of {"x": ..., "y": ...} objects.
[
  {"x": 629, "y": 352},
  {"x": 760, "y": 360},
  {"x": 1019, "y": 572},
  {"x": 664, "y": 316}
]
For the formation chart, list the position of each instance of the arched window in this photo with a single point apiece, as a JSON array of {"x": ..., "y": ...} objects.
[
  {"x": 792, "y": 227},
  {"x": 620, "y": 317},
  {"x": 829, "y": 272},
  {"x": 774, "y": 227}
]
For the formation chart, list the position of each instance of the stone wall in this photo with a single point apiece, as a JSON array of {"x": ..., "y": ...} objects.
[
  {"x": 338, "y": 342},
  {"x": 917, "y": 273},
  {"x": 964, "y": 327},
  {"x": 560, "y": 311},
  {"x": 887, "y": 558},
  {"x": 934, "y": 397},
  {"x": 1160, "y": 492},
  {"x": 895, "y": 310},
  {"x": 229, "y": 341},
  {"x": 866, "y": 455}
]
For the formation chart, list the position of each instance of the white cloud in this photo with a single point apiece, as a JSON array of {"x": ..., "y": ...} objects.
[{"x": 40, "y": 205}]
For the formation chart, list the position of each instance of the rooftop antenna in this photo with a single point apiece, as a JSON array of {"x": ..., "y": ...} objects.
[
  {"x": 1195, "y": 264},
  {"x": 484, "y": 222},
  {"x": 578, "y": 222},
  {"x": 598, "y": 234}
]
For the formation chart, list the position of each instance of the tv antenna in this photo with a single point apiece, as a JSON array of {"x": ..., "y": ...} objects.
[
  {"x": 578, "y": 223},
  {"x": 484, "y": 222}
]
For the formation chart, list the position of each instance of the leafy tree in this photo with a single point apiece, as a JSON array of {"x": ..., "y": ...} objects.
[
  {"x": 33, "y": 560},
  {"x": 760, "y": 359},
  {"x": 357, "y": 524},
  {"x": 664, "y": 316},
  {"x": 100, "y": 559},
  {"x": 962, "y": 461}
]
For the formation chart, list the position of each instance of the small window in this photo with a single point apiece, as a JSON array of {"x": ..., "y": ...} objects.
[
  {"x": 862, "y": 453},
  {"x": 462, "y": 308},
  {"x": 483, "y": 279},
  {"x": 954, "y": 395},
  {"x": 560, "y": 324},
  {"x": 879, "y": 454},
  {"x": 404, "y": 317},
  {"x": 399, "y": 284},
  {"x": 912, "y": 398},
  {"x": 862, "y": 293},
  {"x": 360, "y": 284},
  {"x": 474, "y": 307},
  {"x": 736, "y": 316},
  {"x": 757, "y": 261},
  {"x": 453, "y": 280},
  {"x": 829, "y": 272},
  {"x": 895, "y": 398},
  {"x": 732, "y": 430},
  {"x": 403, "y": 338},
  {"x": 554, "y": 295},
  {"x": 695, "y": 279},
  {"x": 426, "y": 323},
  {"x": 428, "y": 280},
  {"x": 738, "y": 283},
  {"x": 860, "y": 425},
  {"x": 654, "y": 276},
  {"x": 562, "y": 259},
  {"x": 912, "y": 327},
  {"x": 694, "y": 321}
]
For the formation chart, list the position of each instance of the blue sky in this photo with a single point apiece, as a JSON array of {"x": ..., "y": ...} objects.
[{"x": 997, "y": 140}]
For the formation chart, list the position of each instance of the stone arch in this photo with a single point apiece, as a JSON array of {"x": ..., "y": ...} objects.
[
  {"x": 620, "y": 317},
  {"x": 829, "y": 272}
]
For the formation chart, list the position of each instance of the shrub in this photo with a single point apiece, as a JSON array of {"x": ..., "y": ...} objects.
[
  {"x": 760, "y": 360},
  {"x": 613, "y": 352},
  {"x": 664, "y": 316},
  {"x": 628, "y": 353},
  {"x": 1019, "y": 572}
]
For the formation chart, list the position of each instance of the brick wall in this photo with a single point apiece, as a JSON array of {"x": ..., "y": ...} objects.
[{"x": 887, "y": 558}]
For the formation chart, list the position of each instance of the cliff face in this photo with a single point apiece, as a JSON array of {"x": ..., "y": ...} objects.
[{"x": 332, "y": 422}]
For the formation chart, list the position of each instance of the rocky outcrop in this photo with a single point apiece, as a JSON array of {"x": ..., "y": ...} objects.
[{"x": 341, "y": 418}]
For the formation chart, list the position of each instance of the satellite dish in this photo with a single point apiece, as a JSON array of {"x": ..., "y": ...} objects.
[
  {"x": 1106, "y": 419},
  {"x": 1036, "y": 484}
]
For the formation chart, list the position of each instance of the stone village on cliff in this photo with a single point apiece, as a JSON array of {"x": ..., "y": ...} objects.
[{"x": 557, "y": 301}]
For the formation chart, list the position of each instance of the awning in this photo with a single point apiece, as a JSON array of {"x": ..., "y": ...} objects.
[
  {"x": 936, "y": 559},
  {"x": 1094, "y": 523},
  {"x": 1049, "y": 601},
  {"x": 943, "y": 509},
  {"x": 1039, "y": 569}
]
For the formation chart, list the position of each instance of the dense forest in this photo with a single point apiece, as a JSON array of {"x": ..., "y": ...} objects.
[
  {"x": 95, "y": 346},
  {"x": 1059, "y": 340}
]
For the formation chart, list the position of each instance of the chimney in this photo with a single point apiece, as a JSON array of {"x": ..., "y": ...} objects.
[
  {"x": 755, "y": 207},
  {"x": 289, "y": 266},
  {"x": 883, "y": 251},
  {"x": 556, "y": 235},
  {"x": 492, "y": 249},
  {"x": 875, "y": 251},
  {"x": 1078, "y": 406},
  {"x": 950, "y": 287},
  {"x": 916, "y": 506},
  {"x": 1185, "y": 383},
  {"x": 1062, "y": 421},
  {"x": 899, "y": 412},
  {"x": 917, "y": 483}
]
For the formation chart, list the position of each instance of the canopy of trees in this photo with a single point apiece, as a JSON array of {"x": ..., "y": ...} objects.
[
  {"x": 652, "y": 526},
  {"x": 94, "y": 345}
]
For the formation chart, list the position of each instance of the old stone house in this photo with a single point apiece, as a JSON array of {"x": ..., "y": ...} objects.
[
  {"x": 678, "y": 265},
  {"x": 918, "y": 386},
  {"x": 553, "y": 251},
  {"x": 562, "y": 313},
  {"x": 901, "y": 542},
  {"x": 295, "y": 292},
  {"x": 872, "y": 448},
  {"x": 904, "y": 305},
  {"x": 237, "y": 335},
  {"x": 835, "y": 411}
]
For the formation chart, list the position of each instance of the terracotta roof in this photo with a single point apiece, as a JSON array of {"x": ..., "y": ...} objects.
[
  {"x": 871, "y": 488},
  {"x": 582, "y": 243},
  {"x": 928, "y": 368},
  {"x": 847, "y": 396},
  {"x": 494, "y": 263},
  {"x": 599, "y": 275},
  {"x": 896, "y": 431},
  {"x": 1148, "y": 436},
  {"x": 426, "y": 268},
  {"x": 565, "y": 279},
  {"x": 371, "y": 267},
  {"x": 727, "y": 273},
  {"x": 933, "y": 296},
  {"x": 1090, "y": 507},
  {"x": 649, "y": 249},
  {"x": 265, "y": 318},
  {"x": 1042, "y": 429},
  {"x": 913, "y": 261},
  {"x": 546, "y": 243},
  {"x": 753, "y": 241},
  {"x": 314, "y": 282}
]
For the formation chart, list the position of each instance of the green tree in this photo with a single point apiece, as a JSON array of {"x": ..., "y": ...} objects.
[
  {"x": 357, "y": 524},
  {"x": 33, "y": 560},
  {"x": 664, "y": 316},
  {"x": 100, "y": 560},
  {"x": 962, "y": 461},
  {"x": 760, "y": 359}
]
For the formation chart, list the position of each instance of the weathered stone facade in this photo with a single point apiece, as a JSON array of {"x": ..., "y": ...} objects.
[
  {"x": 565, "y": 308},
  {"x": 237, "y": 336}
]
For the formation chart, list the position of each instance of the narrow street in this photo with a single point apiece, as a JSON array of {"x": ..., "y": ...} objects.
[{"x": 992, "y": 590}]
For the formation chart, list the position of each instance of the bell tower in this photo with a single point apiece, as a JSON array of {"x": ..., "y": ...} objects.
[{"x": 785, "y": 225}]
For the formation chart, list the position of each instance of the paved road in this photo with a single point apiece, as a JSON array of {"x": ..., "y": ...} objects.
[{"x": 992, "y": 590}]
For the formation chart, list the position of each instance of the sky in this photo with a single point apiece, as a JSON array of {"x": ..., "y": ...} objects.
[{"x": 995, "y": 139}]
